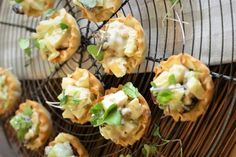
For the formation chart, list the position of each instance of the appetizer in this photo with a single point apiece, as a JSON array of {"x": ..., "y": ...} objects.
[
  {"x": 98, "y": 10},
  {"x": 32, "y": 124},
  {"x": 32, "y": 7},
  {"x": 65, "y": 145},
  {"x": 58, "y": 38},
  {"x": 182, "y": 87},
  {"x": 122, "y": 115},
  {"x": 79, "y": 90},
  {"x": 10, "y": 91},
  {"x": 121, "y": 46}
]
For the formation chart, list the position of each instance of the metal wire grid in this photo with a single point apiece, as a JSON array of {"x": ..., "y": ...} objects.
[{"x": 48, "y": 89}]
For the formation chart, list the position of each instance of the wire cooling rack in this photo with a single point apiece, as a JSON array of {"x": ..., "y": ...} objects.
[{"x": 211, "y": 135}]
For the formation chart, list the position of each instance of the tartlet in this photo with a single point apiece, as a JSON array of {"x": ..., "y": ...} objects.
[
  {"x": 10, "y": 91},
  {"x": 182, "y": 87},
  {"x": 66, "y": 145},
  {"x": 32, "y": 124},
  {"x": 32, "y": 8},
  {"x": 79, "y": 90},
  {"x": 98, "y": 10},
  {"x": 123, "y": 46},
  {"x": 58, "y": 37},
  {"x": 122, "y": 115}
]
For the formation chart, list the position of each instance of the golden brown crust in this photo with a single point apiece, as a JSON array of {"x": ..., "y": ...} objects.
[
  {"x": 74, "y": 39},
  {"x": 74, "y": 142},
  {"x": 45, "y": 124},
  {"x": 14, "y": 90},
  {"x": 137, "y": 58},
  {"x": 144, "y": 122},
  {"x": 101, "y": 14},
  {"x": 96, "y": 88},
  {"x": 204, "y": 77},
  {"x": 36, "y": 13}
]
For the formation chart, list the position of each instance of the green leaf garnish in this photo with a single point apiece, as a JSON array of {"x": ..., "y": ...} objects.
[
  {"x": 28, "y": 52},
  {"x": 50, "y": 12},
  {"x": 22, "y": 122},
  {"x": 36, "y": 43},
  {"x": 153, "y": 85},
  {"x": 27, "y": 111},
  {"x": 130, "y": 90},
  {"x": 156, "y": 133},
  {"x": 63, "y": 26},
  {"x": 171, "y": 79},
  {"x": 89, "y": 3},
  {"x": 19, "y": 1},
  {"x": 95, "y": 52},
  {"x": 149, "y": 150},
  {"x": 24, "y": 43},
  {"x": 164, "y": 96},
  {"x": 111, "y": 116},
  {"x": 63, "y": 98},
  {"x": 174, "y": 1},
  {"x": 97, "y": 112}
]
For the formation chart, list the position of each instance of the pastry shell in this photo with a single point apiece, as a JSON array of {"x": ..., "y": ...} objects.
[
  {"x": 14, "y": 91},
  {"x": 74, "y": 39},
  {"x": 74, "y": 142},
  {"x": 95, "y": 88},
  {"x": 204, "y": 77},
  {"x": 45, "y": 124},
  {"x": 101, "y": 14},
  {"x": 36, "y": 13},
  {"x": 144, "y": 122},
  {"x": 137, "y": 58}
]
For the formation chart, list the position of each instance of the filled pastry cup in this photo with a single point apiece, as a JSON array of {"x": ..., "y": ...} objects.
[
  {"x": 123, "y": 45},
  {"x": 10, "y": 91},
  {"x": 182, "y": 87},
  {"x": 100, "y": 10},
  {"x": 79, "y": 90},
  {"x": 33, "y": 8},
  {"x": 33, "y": 124},
  {"x": 123, "y": 115},
  {"x": 58, "y": 37},
  {"x": 65, "y": 145}
]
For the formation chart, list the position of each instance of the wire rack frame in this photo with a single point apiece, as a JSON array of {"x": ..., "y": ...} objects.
[{"x": 48, "y": 89}]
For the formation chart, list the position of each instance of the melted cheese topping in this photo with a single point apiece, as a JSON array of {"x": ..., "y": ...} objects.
[
  {"x": 77, "y": 86},
  {"x": 186, "y": 88},
  {"x": 3, "y": 91},
  {"x": 33, "y": 131},
  {"x": 121, "y": 39},
  {"x": 52, "y": 37},
  {"x": 121, "y": 43},
  {"x": 59, "y": 150}
]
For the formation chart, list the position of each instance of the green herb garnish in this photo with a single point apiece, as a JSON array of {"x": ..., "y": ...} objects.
[
  {"x": 173, "y": 2},
  {"x": 63, "y": 26},
  {"x": 130, "y": 90},
  {"x": 22, "y": 122},
  {"x": 171, "y": 79},
  {"x": 164, "y": 96},
  {"x": 25, "y": 45},
  {"x": 96, "y": 52},
  {"x": 156, "y": 133},
  {"x": 89, "y": 3},
  {"x": 19, "y": 1},
  {"x": 153, "y": 85},
  {"x": 149, "y": 150},
  {"x": 50, "y": 12},
  {"x": 99, "y": 116}
]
